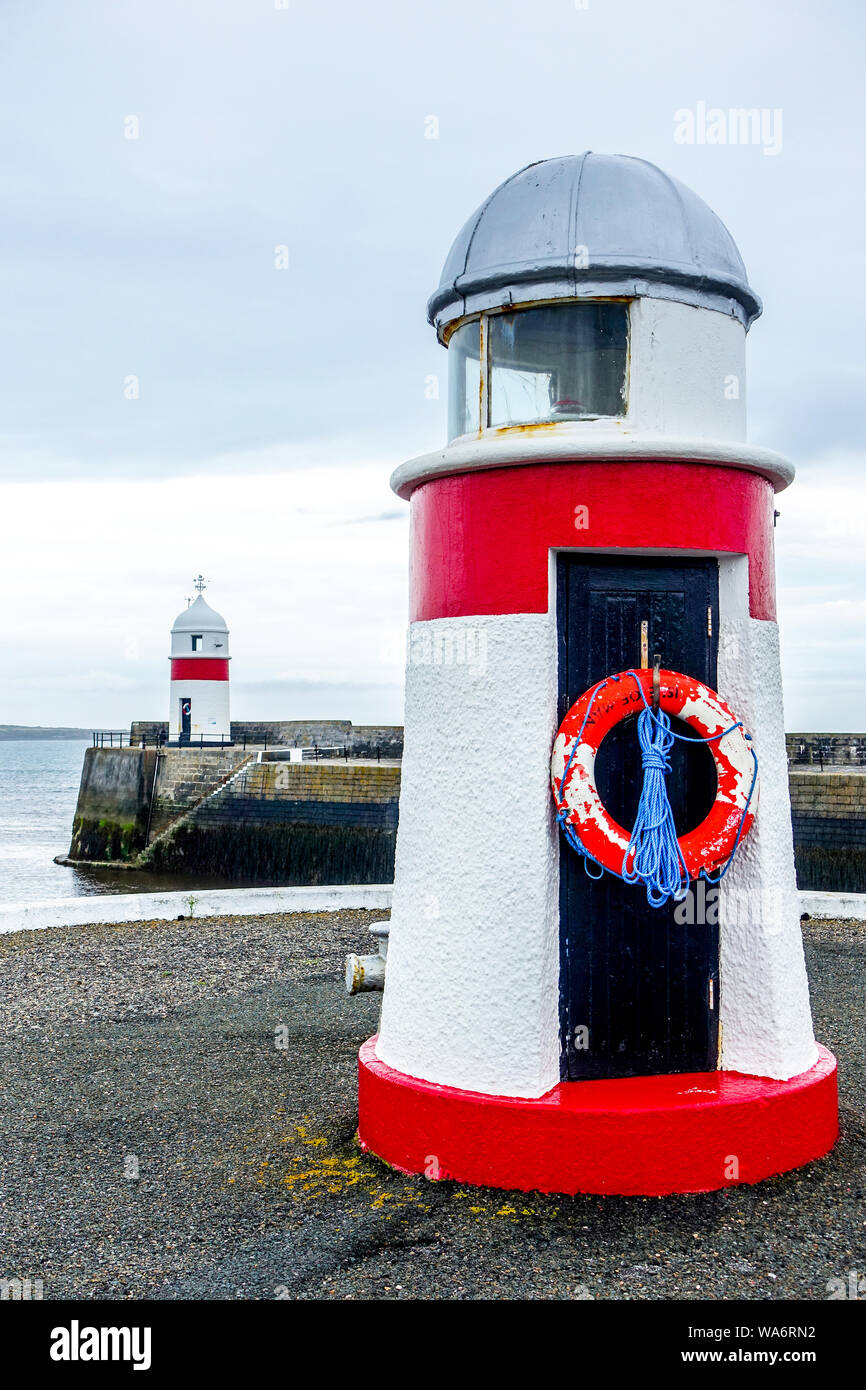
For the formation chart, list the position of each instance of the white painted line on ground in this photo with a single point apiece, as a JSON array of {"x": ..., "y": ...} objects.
[
  {"x": 248, "y": 902},
  {"x": 146, "y": 907},
  {"x": 837, "y": 905}
]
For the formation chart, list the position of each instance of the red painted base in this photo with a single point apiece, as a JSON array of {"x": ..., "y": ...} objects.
[{"x": 643, "y": 1136}]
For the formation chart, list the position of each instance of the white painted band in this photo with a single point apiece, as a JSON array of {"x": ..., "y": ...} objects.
[{"x": 573, "y": 443}]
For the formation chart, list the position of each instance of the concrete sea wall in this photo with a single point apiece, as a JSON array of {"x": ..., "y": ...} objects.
[
  {"x": 186, "y": 776},
  {"x": 359, "y": 740},
  {"x": 335, "y": 822},
  {"x": 111, "y": 817},
  {"x": 294, "y": 823},
  {"x": 826, "y": 750},
  {"x": 828, "y": 812},
  {"x": 219, "y": 811}
]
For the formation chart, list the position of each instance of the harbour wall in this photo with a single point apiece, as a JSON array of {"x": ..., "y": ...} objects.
[
  {"x": 186, "y": 776},
  {"x": 114, "y": 798},
  {"x": 826, "y": 750},
  {"x": 828, "y": 813},
  {"x": 220, "y": 811},
  {"x": 291, "y": 823},
  {"x": 358, "y": 740}
]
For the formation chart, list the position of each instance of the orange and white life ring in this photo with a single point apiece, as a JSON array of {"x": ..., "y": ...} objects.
[{"x": 710, "y": 845}]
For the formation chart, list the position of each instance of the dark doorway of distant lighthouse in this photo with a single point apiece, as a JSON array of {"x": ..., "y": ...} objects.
[
  {"x": 639, "y": 990},
  {"x": 185, "y": 719}
]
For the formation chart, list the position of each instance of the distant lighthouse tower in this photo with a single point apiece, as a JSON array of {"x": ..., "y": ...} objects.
[{"x": 199, "y": 699}]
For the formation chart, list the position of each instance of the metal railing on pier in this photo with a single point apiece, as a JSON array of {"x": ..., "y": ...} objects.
[
  {"x": 120, "y": 738},
  {"x": 327, "y": 752},
  {"x": 837, "y": 753}
]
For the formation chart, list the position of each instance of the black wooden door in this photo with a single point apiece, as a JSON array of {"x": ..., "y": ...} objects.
[
  {"x": 185, "y": 719},
  {"x": 639, "y": 992}
]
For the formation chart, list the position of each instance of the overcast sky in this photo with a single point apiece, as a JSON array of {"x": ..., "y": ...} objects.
[{"x": 272, "y": 404}]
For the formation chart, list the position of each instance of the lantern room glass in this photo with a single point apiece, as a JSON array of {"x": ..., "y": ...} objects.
[
  {"x": 557, "y": 362},
  {"x": 464, "y": 380}
]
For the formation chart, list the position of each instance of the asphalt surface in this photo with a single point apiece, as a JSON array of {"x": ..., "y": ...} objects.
[{"x": 157, "y": 1142}]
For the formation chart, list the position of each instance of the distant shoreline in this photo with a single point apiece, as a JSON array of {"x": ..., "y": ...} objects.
[{"x": 20, "y": 732}]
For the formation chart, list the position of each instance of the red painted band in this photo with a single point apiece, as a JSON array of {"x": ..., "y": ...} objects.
[
  {"x": 480, "y": 540},
  {"x": 644, "y": 1136},
  {"x": 199, "y": 668}
]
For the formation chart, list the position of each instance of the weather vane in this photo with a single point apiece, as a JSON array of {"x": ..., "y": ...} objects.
[{"x": 200, "y": 582}]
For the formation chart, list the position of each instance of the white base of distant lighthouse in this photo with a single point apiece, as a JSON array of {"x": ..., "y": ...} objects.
[{"x": 204, "y": 704}]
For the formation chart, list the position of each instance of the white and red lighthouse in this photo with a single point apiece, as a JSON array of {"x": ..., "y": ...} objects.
[
  {"x": 597, "y": 505},
  {"x": 199, "y": 690}
]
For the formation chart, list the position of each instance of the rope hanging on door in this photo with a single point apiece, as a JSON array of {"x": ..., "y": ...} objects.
[
  {"x": 656, "y": 858},
  {"x": 653, "y": 854}
]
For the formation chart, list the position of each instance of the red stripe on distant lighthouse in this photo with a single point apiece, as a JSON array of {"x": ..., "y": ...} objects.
[
  {"x": 202, "y": 668},
  {"x": 481, "y": 540}
]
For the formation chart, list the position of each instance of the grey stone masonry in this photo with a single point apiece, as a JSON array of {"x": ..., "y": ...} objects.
[
  {"x": 360, "y": 740},
  {"x": 827, "y": 750},
  {"x": 828, "y": 809},
  {"x": 185, "y": 777}
]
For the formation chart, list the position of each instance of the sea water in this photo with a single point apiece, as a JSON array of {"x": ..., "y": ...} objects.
[{"x": 38, "y": 793}]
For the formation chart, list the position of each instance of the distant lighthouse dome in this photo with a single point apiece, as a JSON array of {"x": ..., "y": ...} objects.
[
  {"x": 199, "y": 617},
  {"x": 592, "y": 225}
]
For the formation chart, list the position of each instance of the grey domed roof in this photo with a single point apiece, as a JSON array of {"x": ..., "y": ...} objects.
[
  {"x": 593, "y": 225},
  {"x": 199, "y": 617}
]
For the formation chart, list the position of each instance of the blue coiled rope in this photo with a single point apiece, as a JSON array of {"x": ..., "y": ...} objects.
[{"x": 657, "y": 860}]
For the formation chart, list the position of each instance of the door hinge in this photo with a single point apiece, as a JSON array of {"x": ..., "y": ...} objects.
[
  {"x": 709, "y": 622},
  {"x": 711, "y": 994}
]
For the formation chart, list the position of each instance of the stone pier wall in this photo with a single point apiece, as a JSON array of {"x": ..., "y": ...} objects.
[
  {"x": 219, "y": 812},
  {"x": 110, "y": 821},
  {"x": 360, "y": 740},
  {"x": 833, "y": 750},
  {"x": 336, "y": 821},
  {"x": 828, "y": 811},
  {"x": 291, "y": 823}
]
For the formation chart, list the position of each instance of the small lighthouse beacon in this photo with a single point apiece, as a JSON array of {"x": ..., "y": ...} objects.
[
  {"x": 199, "y": 691},
  {"x": 595, "y": 977}
]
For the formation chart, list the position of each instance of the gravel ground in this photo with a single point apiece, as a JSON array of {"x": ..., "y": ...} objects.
[{"x": 150, "y": 1047}]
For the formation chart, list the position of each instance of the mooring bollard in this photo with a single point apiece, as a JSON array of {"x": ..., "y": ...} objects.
[{"x": 367, "y": 973}]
